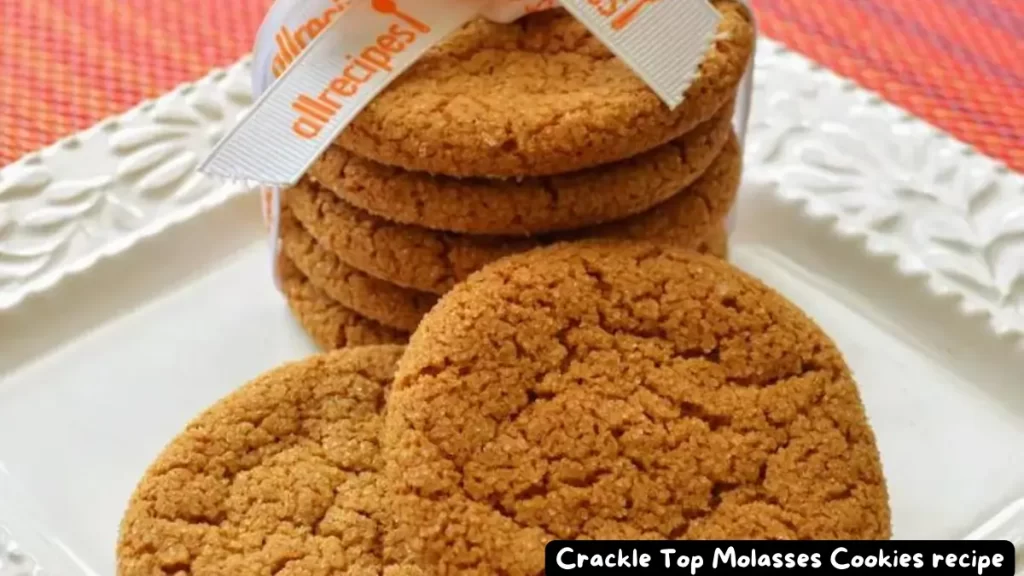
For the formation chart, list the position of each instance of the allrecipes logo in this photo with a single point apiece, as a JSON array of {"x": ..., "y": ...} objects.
[
  {"x": 291, "y": 43},
  {"x": 317, "y": 110},
  {"x": 620, "y": 12}
]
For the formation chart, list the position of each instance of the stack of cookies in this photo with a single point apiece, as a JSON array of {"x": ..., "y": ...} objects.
[{"x": 502, "y": 139}]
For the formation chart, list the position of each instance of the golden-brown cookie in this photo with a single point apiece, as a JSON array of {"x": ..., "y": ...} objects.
[
  {"x": 530, "y": 205},
  {"x": 620, "y": 390},
  {"x": 330, "y": 324},
  {"x": 281, "y": 477},
  {"x": 717, "y": 243},
  {"x": 537, "y": 97},
  {"x": 391, "y": 305},
  {"x": 432, "y": 261}
]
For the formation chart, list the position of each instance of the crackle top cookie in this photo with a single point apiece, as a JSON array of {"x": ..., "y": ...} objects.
[
  {"x": 537, "y": 97},
  {"x": 281, "y": 477},
  {"x": 391, "y": 305},
  {"x": 529, "y": 205},
  {"x": 329, "y": 323},
  {"x": 433, "y": 261},
  {"x": 621, "y": 391}
]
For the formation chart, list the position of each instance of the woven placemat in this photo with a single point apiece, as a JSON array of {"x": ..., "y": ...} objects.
[
  {"x": 66, "y": 64},
  {"x": 955, "y": 63}
]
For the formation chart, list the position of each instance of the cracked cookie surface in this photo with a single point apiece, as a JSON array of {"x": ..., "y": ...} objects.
[
  {"x": 620, "y": 390},
  {"x": 329, "y": 323},
  {"x": 371, "y": 297},
  {"x": 433, "y": 261},
  {"x": 391, "y": 305},
  {"x": 717, "y": 243},
  {"x": 376, "y": 299},
  {"x": 281, "y": 477},
  {"x": 536, "y": 97},
  {"x": 530, "y": 205}
]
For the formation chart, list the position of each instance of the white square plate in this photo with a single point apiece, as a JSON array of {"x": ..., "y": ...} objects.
[{"x": 101, "y": 368}]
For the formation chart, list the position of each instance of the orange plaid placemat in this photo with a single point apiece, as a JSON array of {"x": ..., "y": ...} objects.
[
  {"x": 66, "y": 64},
  {"x": 955, "y": 63}
]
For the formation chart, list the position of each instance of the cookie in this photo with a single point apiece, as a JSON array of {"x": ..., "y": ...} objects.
[
  {"x": 330, "y": 324},
  {"x": 375, "y": 299},
  {"x": 537, "y": 97},
  {"x": 530, "y": 205},
  {"x": 620, "y": 390},
  {"x": 716, "y": 244},
  {"x": 432, "y": 261},
  {"x": 281, "y": 477}
]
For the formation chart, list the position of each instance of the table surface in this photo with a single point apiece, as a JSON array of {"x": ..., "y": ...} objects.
[{"x": 67, "y": 64}]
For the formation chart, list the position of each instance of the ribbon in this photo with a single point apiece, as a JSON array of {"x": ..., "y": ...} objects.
[
  {"x": 299, "y": 43},
  {"x": 291, "y": 25}
]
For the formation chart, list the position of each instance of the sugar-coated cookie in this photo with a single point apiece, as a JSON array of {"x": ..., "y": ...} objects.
[
  {"x": 329, "y": 323},
  {"x": 280, "y": 477},
  {"x": 525, "y": 206},
  {"x": 620, "y": 390},
  {"x": 717, "y": 243},
  {"x": 537, "y": 97},
  {"x": 391, "y": 305},
  {"x": 432, "y": 261}
]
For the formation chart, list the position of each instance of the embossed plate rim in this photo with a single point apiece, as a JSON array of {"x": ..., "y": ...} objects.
[
  {"x": 965, "y": 163},
  {"x": 218, "y": 81}
]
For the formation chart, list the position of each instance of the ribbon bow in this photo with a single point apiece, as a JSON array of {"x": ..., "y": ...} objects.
[{"x": 302, "y": 42}]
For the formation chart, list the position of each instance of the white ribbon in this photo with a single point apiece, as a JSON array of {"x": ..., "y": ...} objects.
[{"x": 292, "y": 26}]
